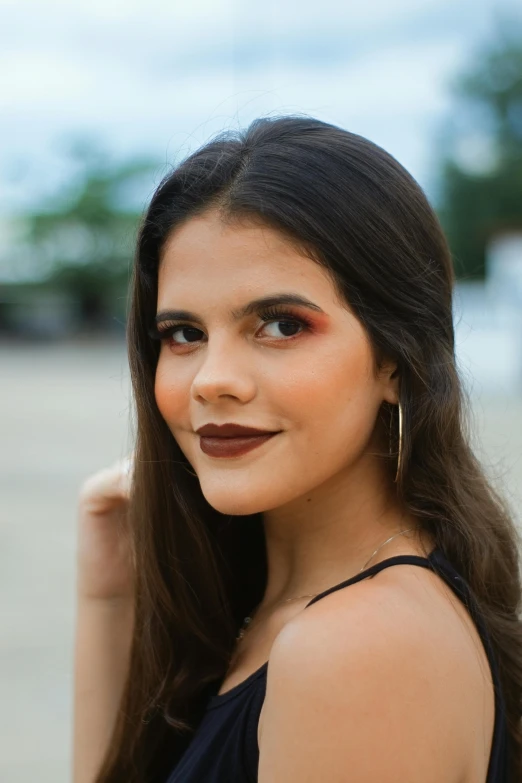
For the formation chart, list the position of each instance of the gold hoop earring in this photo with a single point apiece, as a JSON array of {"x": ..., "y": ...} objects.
[{"x": 399, "y": 457}]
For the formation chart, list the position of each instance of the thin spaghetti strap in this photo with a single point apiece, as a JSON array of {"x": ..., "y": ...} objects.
[{"x": 424, "y": 562}]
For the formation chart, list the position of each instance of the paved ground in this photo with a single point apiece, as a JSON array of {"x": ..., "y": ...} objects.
[{"x": 64, "y": 412}]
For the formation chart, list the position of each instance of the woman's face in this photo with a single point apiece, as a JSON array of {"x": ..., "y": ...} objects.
[{"x": 308, "y": 372}]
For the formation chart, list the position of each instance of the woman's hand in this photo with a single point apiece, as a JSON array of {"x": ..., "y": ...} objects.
[{"x": 105, "y": 559}]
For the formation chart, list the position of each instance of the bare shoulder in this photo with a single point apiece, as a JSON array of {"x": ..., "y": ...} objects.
[{"x": 377, "y": 678}]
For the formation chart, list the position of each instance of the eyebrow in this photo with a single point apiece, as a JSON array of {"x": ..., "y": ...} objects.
[{"x": 249, "y": 309}]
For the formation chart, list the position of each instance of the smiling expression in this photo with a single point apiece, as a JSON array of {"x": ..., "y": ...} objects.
[{"x": 298, "y": 362}]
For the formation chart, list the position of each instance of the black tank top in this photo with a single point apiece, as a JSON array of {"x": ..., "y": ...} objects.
[{"x": 224, "y": 746}]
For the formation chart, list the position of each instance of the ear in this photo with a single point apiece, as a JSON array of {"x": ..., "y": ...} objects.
[{"x": 389, "y": 373}]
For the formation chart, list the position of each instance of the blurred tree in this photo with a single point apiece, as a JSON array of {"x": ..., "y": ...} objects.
[
  {"x": 82, "y": 241},
  {"x": 481, "y": 183}
]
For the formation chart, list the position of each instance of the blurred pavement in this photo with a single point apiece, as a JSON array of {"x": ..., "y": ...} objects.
[{"x": 64, "y": 413}]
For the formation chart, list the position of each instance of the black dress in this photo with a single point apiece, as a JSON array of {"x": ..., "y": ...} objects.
[{"x": 224, "y": 747}]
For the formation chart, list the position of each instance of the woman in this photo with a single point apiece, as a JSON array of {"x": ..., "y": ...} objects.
[{"x": 334, "y": 594}]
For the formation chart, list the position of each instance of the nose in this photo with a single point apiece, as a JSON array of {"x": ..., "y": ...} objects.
[{"x": 223, "y": 372}]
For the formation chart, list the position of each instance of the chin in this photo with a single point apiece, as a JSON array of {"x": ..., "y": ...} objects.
[
  {"x": 233, "y": 504},
  {"x": 238, "y": 498}
]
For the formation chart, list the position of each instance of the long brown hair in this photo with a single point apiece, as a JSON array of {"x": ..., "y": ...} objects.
[{"x": 354, "y": 209}]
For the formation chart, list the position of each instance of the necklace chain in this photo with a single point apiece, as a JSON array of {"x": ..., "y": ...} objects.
[{"x": 248, "y": 620}]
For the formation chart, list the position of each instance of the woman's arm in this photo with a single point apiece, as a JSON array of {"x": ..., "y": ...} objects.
[
  {"x": 105, "y": 614},
  {"x": 102, "y": 655}
]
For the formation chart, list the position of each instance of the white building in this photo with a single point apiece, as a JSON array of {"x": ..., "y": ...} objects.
[{"x": 488, "y": 322}]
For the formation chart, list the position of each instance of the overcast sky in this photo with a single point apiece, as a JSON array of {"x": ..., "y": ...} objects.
[{"x": 162, "y": 76}]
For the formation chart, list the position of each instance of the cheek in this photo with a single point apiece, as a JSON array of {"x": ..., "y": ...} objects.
[
  {"x": 171, "y": 398},
  {"x": 330, "y": 405},
  {"x": 335, "y": 394}
]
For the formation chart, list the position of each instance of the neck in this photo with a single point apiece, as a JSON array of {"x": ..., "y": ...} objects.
[{"x": 326, "y": 537}]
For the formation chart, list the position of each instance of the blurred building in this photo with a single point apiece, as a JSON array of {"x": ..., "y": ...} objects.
[{"x": 488, "y": 321}]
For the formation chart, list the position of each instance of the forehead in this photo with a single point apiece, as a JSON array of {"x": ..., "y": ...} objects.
[{"x": 205, "y": 256}]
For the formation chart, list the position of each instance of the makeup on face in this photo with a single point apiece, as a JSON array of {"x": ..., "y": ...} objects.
[
  {"x": 252, "y": 332},
  {"x": 281, "y": 307},
  {"x": 233, "y": 447}
]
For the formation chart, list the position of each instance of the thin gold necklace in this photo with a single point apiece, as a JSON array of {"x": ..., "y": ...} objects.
[{"x": 248, "y": 619}]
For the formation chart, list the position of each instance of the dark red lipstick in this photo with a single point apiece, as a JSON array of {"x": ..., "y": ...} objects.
[{"x": 231, "y": 440}]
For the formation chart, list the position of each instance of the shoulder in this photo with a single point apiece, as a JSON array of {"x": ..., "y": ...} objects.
[{"x": 363, "y": 680}]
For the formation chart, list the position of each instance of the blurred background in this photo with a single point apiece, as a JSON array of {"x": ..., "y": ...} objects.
[{"x": 97, "y": 101}]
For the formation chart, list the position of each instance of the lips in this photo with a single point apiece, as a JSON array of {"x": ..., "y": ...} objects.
[
  {"x": 230, "y": 430},
  {"x": 232, "y": 447}
]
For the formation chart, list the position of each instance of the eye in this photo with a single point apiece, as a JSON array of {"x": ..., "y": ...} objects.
[
  {"x": 166, "y": 335},
  {"x": 287, "y": 325},
  {"x": 163, "y": 333},
  {"x": 287, "y": 322}
]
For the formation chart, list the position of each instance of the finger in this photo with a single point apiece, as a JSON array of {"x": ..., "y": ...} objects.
[{"x": 111, "y": 482}]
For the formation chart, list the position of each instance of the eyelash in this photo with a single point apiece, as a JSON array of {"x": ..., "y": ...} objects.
[{"x": 268, "y": 315}]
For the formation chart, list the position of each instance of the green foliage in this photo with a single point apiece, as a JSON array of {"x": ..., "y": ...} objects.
[
  {"x": 481, "y": 190},
  {"x": 82, "y": 241}
]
